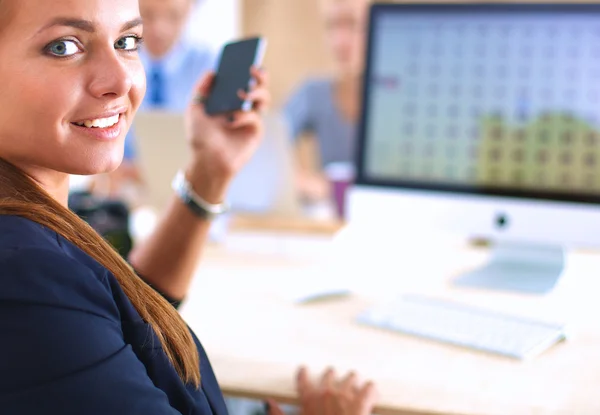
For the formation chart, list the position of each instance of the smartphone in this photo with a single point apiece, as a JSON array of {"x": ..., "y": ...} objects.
[{"x": 233, "y": 74}]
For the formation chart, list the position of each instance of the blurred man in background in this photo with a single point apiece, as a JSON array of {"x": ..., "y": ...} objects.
[{"x": 173, "y": 64}]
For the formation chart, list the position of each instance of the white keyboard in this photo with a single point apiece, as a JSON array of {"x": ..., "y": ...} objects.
[{"x": 465, "y": 326}]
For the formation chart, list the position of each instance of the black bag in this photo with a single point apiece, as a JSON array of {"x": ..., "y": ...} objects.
[{"x": 110, "y": 218}]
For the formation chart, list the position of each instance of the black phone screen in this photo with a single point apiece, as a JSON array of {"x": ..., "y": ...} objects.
[{"x": 233, "y": 74}]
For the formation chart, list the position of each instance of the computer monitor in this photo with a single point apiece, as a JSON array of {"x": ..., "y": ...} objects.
[{"x": 485, "y": 119}]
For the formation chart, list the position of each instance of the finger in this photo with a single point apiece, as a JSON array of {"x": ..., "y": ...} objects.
[
  {"x": 260, "y": 75},
  {"x": 229, "y": 118},
  {"x": 304, "y": 385},
  {"x": 259, "y": 94},
  {"x": 205, "y": 84},
  {"x": 328, "y": 392},
  {"x": 242, "y": 119},
  {"x": 348, "y": 385},
  {"x": 273, "y": 408},
  {"x": 260, "y": 98},
  {"x": 367, "y": 398},
  {"x": 328, "y": 380}
]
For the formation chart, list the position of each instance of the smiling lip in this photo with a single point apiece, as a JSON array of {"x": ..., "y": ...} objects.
[
  {"x": 103, "y": 134},
  {"x": 107, "y": 114}
]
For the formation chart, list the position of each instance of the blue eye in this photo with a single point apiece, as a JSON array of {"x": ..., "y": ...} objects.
[
  {"x": 63, "y": 48},
  {"x": 128, "y": 43}
]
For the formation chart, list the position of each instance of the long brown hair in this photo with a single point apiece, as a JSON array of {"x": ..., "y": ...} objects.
[{"x": 22, "y": 196}]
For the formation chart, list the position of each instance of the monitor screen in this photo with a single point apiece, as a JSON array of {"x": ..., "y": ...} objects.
[{"x": 486, "y": 99}]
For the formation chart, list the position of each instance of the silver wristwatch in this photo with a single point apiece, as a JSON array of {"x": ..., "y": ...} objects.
[{"x": 198, "y": 206}]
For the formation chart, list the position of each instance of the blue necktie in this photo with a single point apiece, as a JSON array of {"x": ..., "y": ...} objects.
[{"x": 157, "y": 97}]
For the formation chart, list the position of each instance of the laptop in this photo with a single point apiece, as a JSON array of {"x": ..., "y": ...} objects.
[{"x": 264, "y": 186}]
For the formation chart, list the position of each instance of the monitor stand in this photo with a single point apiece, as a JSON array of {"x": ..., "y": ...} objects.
[{"x": 518, "y": 267}]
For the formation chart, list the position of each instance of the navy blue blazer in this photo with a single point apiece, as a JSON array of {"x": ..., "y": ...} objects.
[{"x": 71, "y": 343}]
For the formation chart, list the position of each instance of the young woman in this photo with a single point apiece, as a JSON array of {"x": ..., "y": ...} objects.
[{"x": 81, "y": 332}]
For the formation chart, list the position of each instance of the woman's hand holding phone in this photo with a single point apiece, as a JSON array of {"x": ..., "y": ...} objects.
[{"x": 222, "y": 144}]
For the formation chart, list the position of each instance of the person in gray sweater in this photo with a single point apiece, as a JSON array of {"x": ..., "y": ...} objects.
[{"x": 327, "y": 108}]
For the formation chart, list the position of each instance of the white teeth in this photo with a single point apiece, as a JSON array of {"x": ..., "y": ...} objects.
[{"x": 100, "y": 122}]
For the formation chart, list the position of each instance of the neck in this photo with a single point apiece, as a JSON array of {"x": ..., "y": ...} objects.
[
  {"x": 348, "y": 81},
  {"x": 55, "y": 183},
  {"x": 347, "y": 96},
  {"x": 155, "y": 58},
  {"x": 160, "y": 55}
]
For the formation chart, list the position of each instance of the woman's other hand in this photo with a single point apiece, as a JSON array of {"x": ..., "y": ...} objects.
[
  {"x": 223, "y": 144},
  {"x": 331, "y": 395}
]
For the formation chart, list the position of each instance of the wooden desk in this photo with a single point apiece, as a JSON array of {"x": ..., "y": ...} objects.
[
  {"x": 256, "y": 338},
  {"x": 299, "y": 225}
]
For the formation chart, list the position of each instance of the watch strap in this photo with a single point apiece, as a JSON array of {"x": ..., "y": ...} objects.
[{"x": 193, "y": 201}]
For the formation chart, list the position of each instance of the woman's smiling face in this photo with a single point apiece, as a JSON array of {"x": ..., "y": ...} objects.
[{"x": 72, "y": 82}]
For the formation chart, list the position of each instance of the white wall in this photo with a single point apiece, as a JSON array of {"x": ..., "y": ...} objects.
[{"x": 215, "y": 22}]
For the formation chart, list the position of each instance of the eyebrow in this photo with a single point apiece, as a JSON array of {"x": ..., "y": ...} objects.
[
  {"x": 132, "y": 24},
  {"x": 86, "y": 25}
]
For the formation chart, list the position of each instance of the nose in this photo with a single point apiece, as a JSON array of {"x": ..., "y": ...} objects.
[
  {"x": 341, "y": 42},
  {"x": 111, "y": 75},
  {"x": 160, "y": 28}
]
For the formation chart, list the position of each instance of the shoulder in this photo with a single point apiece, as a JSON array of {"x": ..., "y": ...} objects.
[
  {"x": 316, "y": 85},
  {"x": 18, "y": 233},
  {"x": 312, "y": 89},
  {"x": 199, "y": 55},
  {"x": 307, "y": 96},
  {"x": 34, "y": 269},
  {"x": 50, "y": 278},
  {"x": 60, "y": 312},
  {"x": 200, "y": 49},
  {"x": 66, "y": 342}
]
